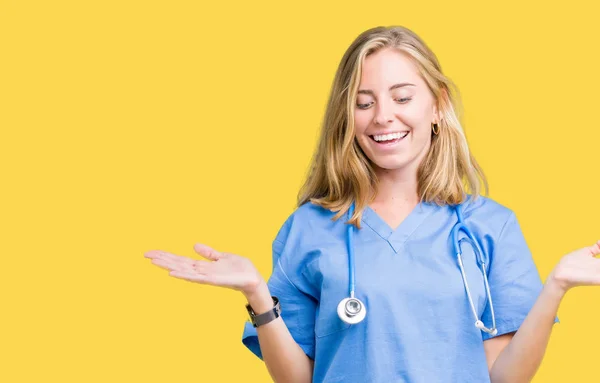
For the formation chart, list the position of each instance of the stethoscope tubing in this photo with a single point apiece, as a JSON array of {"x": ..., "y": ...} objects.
[{"x": 352, "y": 310}]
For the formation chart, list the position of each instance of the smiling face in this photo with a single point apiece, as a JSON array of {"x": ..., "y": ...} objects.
[{"x": 394, "y": 112}]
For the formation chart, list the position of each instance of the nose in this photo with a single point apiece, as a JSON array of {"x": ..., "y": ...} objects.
[{"x": 383, "y": 113}]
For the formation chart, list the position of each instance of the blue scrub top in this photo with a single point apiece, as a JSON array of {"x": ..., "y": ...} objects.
[{"x": 419, "y": 325}]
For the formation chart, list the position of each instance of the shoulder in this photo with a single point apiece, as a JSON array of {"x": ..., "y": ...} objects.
[
  {"x": 304, "y": 220},
  {"x": 484, "y": 211},
  {"x": 302, "y": 233},
  {"x": 485, "y": 207}
]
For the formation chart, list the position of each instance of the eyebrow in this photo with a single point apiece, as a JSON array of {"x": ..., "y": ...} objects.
[{"x": 395, "y": 86}]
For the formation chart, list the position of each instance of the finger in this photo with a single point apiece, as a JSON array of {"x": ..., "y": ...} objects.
[
  {"x": 158, "y": 254},
  {"x": 595, "y": 248},
  {"x": 168, "y": 265},
  {"x": 172, "y": 262},
  {"x": 152, "y": 254},
  {"x": 207, "y": 252},
  {"x": 162, "y": 264}
]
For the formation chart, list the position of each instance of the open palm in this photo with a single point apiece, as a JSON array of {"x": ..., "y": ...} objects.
[
  {"x": 579, "y": 268},
  {"x": 220, "y": 269}
]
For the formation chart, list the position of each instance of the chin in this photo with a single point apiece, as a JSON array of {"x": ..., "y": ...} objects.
[{"x": 391, "y": 165}]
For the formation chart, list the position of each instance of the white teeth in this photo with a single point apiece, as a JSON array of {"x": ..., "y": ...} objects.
[{"x": 391, "y": 136}]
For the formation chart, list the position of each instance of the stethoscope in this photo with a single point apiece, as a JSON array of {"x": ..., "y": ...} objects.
[{"x": 352, "y": 310}]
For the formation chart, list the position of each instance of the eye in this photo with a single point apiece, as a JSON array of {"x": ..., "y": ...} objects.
[
  {"x": 403, "y": 100},
  {"x": 364, "y": 106}
]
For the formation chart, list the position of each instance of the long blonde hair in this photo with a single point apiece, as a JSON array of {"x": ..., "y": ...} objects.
[{"x": 341, "y": 173}]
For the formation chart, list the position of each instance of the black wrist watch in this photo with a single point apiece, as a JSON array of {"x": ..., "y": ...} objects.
[{"x": 264, "y": 318}]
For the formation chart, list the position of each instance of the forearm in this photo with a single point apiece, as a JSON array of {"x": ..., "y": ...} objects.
[
  {"x": 520, "y": 360},
  {"x": 284, "y": 358}
]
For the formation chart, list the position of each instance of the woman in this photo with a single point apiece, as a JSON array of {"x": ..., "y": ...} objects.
[{"x": 393, "y": 166}]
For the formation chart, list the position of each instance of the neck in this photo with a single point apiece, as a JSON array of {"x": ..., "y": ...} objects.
[{"x": 396, "y": 189}]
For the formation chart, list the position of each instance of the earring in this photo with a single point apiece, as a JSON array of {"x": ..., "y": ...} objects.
[{"x": 435, "y": 128}]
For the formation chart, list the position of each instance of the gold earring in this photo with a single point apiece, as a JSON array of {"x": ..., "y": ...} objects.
[{"x": 435, "y": 128}]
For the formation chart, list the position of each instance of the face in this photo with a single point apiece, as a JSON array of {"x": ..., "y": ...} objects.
[{"x": 394, "y": 112}]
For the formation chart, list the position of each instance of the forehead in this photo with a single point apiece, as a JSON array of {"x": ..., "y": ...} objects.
[{"x": 387, "y": 67}]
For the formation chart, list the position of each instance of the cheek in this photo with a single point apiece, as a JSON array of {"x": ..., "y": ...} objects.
[
  {"x": 418, "y": 119},
  {"x": 361, "y": 121}
]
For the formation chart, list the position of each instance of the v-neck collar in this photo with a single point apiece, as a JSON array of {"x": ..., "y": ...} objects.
[{"x": 397, "y": 237}]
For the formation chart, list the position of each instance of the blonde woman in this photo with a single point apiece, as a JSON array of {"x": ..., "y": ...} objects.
[{"x": 394, "y": 267}]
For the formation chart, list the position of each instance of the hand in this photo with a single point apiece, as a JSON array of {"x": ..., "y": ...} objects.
[
  {"x": 220, "y": 269},
  {"x": 579, "y": 268}
]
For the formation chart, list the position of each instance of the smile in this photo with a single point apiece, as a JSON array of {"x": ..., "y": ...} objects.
[{"x": 389, "y": 138}]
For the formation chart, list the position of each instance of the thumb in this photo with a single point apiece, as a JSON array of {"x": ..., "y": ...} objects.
[
  {"x": 207, "y": 252},
  {"x": 595, "y": 248}
]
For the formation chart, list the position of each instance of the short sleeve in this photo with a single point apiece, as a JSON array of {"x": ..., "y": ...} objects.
[
  {"x": 514, "y": 280},
  {"x": 298, "y": 309}
]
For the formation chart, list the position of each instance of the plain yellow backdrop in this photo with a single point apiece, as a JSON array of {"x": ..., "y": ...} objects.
[{"x": 135, "y": 125}]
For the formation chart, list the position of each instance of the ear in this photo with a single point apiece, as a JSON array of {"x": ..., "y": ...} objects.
[{"x": 436, "y": 114}]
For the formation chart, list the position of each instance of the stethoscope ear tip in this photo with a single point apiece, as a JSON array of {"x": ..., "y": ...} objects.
[{"x": 493, "y": 332}]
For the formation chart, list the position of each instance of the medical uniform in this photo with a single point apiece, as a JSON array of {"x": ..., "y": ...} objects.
[{"x": 419, "y": 325}]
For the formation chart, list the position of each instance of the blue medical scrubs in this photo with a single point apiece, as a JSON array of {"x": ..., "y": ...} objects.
[{"x": 419, "y": 325}]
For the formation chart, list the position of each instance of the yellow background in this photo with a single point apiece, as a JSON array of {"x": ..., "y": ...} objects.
[{"x": 135, "y": 125}]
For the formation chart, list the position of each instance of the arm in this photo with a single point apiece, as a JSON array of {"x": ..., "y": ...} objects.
[
  {"x": 519, "y": 360},
  {"x": 284, "y": 358},
  {"x": 521, "y": 355}
]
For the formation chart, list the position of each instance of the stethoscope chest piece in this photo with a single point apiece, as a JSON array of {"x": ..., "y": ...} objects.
[{"x": 351, "y": 310}]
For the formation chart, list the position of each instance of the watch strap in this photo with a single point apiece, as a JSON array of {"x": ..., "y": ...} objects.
[{"x": 266, "y": 317}]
